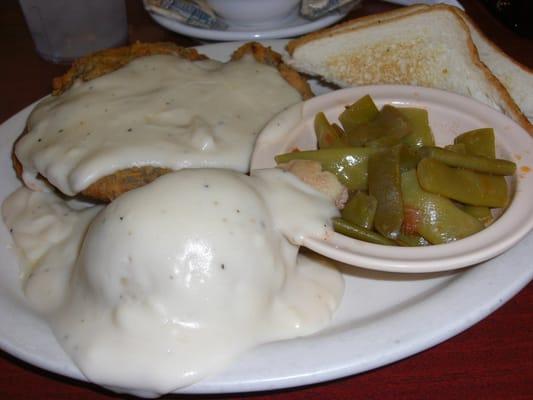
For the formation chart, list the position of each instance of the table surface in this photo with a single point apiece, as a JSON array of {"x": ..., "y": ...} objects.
[{"x": 493, "y": 359}]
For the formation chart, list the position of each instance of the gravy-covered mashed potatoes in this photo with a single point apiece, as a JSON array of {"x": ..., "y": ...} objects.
[{"x": 172, "y": 280}]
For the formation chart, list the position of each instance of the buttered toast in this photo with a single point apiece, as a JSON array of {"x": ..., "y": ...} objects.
[{"x": 432, "y": 46}]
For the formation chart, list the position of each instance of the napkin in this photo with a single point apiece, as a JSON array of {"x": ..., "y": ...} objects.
[{"x": 192, "y": 12}]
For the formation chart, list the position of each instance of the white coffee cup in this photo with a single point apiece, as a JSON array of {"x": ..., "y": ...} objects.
[{"x": 253, "y": 12}]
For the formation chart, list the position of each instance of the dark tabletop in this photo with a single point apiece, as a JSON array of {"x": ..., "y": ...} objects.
[{"x": 491, "y": 360}]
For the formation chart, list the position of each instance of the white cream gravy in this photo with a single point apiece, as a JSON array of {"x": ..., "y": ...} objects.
[
  {"x": 161, "y": 111},
  {"x": 177, "y": 278}
]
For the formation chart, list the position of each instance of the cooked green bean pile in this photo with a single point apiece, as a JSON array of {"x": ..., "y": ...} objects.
[{"x": 403, "y": 189}]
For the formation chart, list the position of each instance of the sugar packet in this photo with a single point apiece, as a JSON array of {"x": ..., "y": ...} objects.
[
  {"x": 192, "y": 12},
  {"x": 313, "y": 9}
]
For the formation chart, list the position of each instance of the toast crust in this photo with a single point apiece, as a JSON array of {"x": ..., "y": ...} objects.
[
  {"x": 493, "y": 46},
  {"x": 516, "y": 77},
  {"x": 500, "y": 93},
  {"x": 92, "y": 66}
]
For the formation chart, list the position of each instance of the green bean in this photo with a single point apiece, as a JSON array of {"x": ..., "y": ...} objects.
[
  {"x": 437, "y": 218},
  {"x": 476, "y": 163},
  {"x": 482, "y": 213},
  {"x": 328, "y": 135},
  {"x": 363, "y": 110},
  {"x": 360, "y": 210},
  {"x": 409, "y": 158},
  {"x": 457, "y": 148},
  {"x": 388, "y": 122},
  {"x": 411, "y": 240},
  {"x": 418, "y": 120},
  {"x": 349, "y": 164},
  {"x": 384, "y": 185},
  {"x": 408, "y": 192},
  {"x": 358, "y": 232},
  {"x": 390, "y": 139},
  {"x": 478, "y": 142},
  {"x": 463, "y": 185}
]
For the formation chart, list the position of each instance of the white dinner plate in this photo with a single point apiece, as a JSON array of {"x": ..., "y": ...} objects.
[
  {"x": 383, "y": 317},
  {"x": 291, "y": 26}
]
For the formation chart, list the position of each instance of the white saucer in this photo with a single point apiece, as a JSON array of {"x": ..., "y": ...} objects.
[{"x": 291, "y": 26}]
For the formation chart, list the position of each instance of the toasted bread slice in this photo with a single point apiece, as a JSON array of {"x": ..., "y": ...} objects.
[
  {"x": 419, "y": 45},
  {"x": 93, "y": 66},
  {"x": 517, "y": 78}
]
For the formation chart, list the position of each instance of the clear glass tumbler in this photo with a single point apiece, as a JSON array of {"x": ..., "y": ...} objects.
[{"x": 64, "y": 30}]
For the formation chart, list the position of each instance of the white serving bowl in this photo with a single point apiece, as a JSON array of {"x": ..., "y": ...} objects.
[
  {"x": 449, "y": 115},
  {"x": 253, "y": 12}
]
